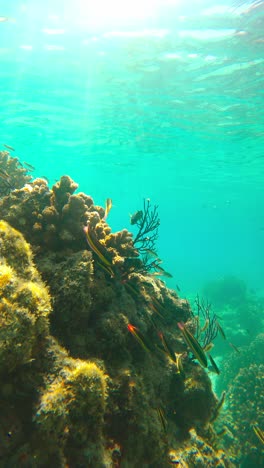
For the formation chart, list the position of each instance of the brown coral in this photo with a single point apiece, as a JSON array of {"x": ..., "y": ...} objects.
[{"x": 53, "y": 219}]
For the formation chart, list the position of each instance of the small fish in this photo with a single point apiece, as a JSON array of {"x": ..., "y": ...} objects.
[
  {"x": 259, "y": 433},
  {"x": 208, "y": 347},
  {"x": 96, "y": 247},
  {"x": 218, "y": 407},
  {"x": 108, "y": 206},
  {"x": 106, "y": 269},
  {"x": 155, "y": 309},
  {"x": 132, "y": 288},
  {"x": 215, "y": 368},
  {"x": 178, "y": 288},
  {"x": 6, "y": 183},
  {"x": 168, "y": 350},
  {"x": 158, "y": 306},
  {"x": 136, "y": 333},
  {"x": 178, "y": 363},
  {"x": 29, "y": 166},
  {"x": 9, "y": 147},
  {"x": 136, "y": 217},
  {"x": 206, "y": 325},
  {"x": 220, "y": 329},
  {"x": 234, "y": 347},
  {"x": 163, "y": 420},
  {"x": 4, "y": 174},
  {"x": 162, "y": 272},
  {"x": 151, "y": 253},
  {"x": 193, "y": 344},
  {"x": 221, "y": 400},
  {"x": 3, "y": 19}
]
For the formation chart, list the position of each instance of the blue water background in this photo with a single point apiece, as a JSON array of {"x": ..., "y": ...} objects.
[{"x": 167, "y": 107}]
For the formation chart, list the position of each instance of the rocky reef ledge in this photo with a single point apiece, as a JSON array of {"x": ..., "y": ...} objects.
[{"x": 90, "y": 347}]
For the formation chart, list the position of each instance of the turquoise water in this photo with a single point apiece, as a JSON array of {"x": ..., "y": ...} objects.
[{"x": 162, "y": 101}]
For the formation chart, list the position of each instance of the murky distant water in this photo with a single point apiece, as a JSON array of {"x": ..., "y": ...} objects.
[{"x": 166, "y": 105}]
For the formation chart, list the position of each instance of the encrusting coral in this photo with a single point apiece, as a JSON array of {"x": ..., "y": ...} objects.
[
  {"x": 244, "y": 380},
  {"x": 118, "y": 395},
  {"x": 25, "y": 302},
  {"x": 70, "y": 413},
  {"x": 195, "y": 452},
  {"x": 70, "y": 406}
]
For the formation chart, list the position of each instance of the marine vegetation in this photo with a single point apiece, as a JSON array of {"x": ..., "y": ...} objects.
[
  {"x": 147, "y": 222},
  {"x": 243, "y": 417},
  {"x": 207, "y": 323},
  {"x": 95, "y": 371},
  {"x": 238, "y": 307}
]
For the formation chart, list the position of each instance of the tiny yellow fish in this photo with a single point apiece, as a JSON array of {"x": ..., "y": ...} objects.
[
  {"x": 208, "y": 347},
  {"x": 29, "y": 166},
  {"x": 179, "y": 363},
  {"x": 108, "y": 206},
  {"x": 9, "y": 147},
  {"x": 4, "y": 174},
  {"x": 234, "y": 347},
  {"x": 206, "y": 325},
  {"x": 96, "y": 246},
  {"x": 162, "y": 419},
  {"x": 167, "y": 348},
  {"x": 259, "y": 433},
  {"x": 215, "y": 367},
  {"x": 138, "y": 335},
  {"x": 193, "y": 344},
  {"x": 221, "y": 331}
]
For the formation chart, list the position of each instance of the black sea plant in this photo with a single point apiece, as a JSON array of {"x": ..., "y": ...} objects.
[
  {"x": 206, "y": 323},
  {"x": 147, "y": 221}
]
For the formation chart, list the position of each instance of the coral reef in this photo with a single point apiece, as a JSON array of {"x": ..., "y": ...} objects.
[
  {"x": 72, "y": 393},
  {"x": 55, "y": 219},
  {"x": 238, "y": 307},
  {"x": 12, "y": 174},
  {"x": 228, "y": 290},
  {"x": 195, "y": 452},
  {"x": 243, "y": 378},
  {"x": 251, "y": 354},
  {"x": 52, "y": 219},
  {"x": 95, "y": 394}
]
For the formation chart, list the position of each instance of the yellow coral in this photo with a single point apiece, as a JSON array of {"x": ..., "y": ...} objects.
[
  {"x": 57, "y": 394},
  {"x": 25, "y": 302},
  {"x": 34, "y": 296},
  {"x": 87, "y": 378},
  {"x": 16, "y": 250},
  {"x": 88, "y": 372},
  {"x": 79, "y": 394},
  {"x": 6, "y": 275}
]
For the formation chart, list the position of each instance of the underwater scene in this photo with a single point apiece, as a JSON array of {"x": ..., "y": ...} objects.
[{"x": 131, "y": 234}]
